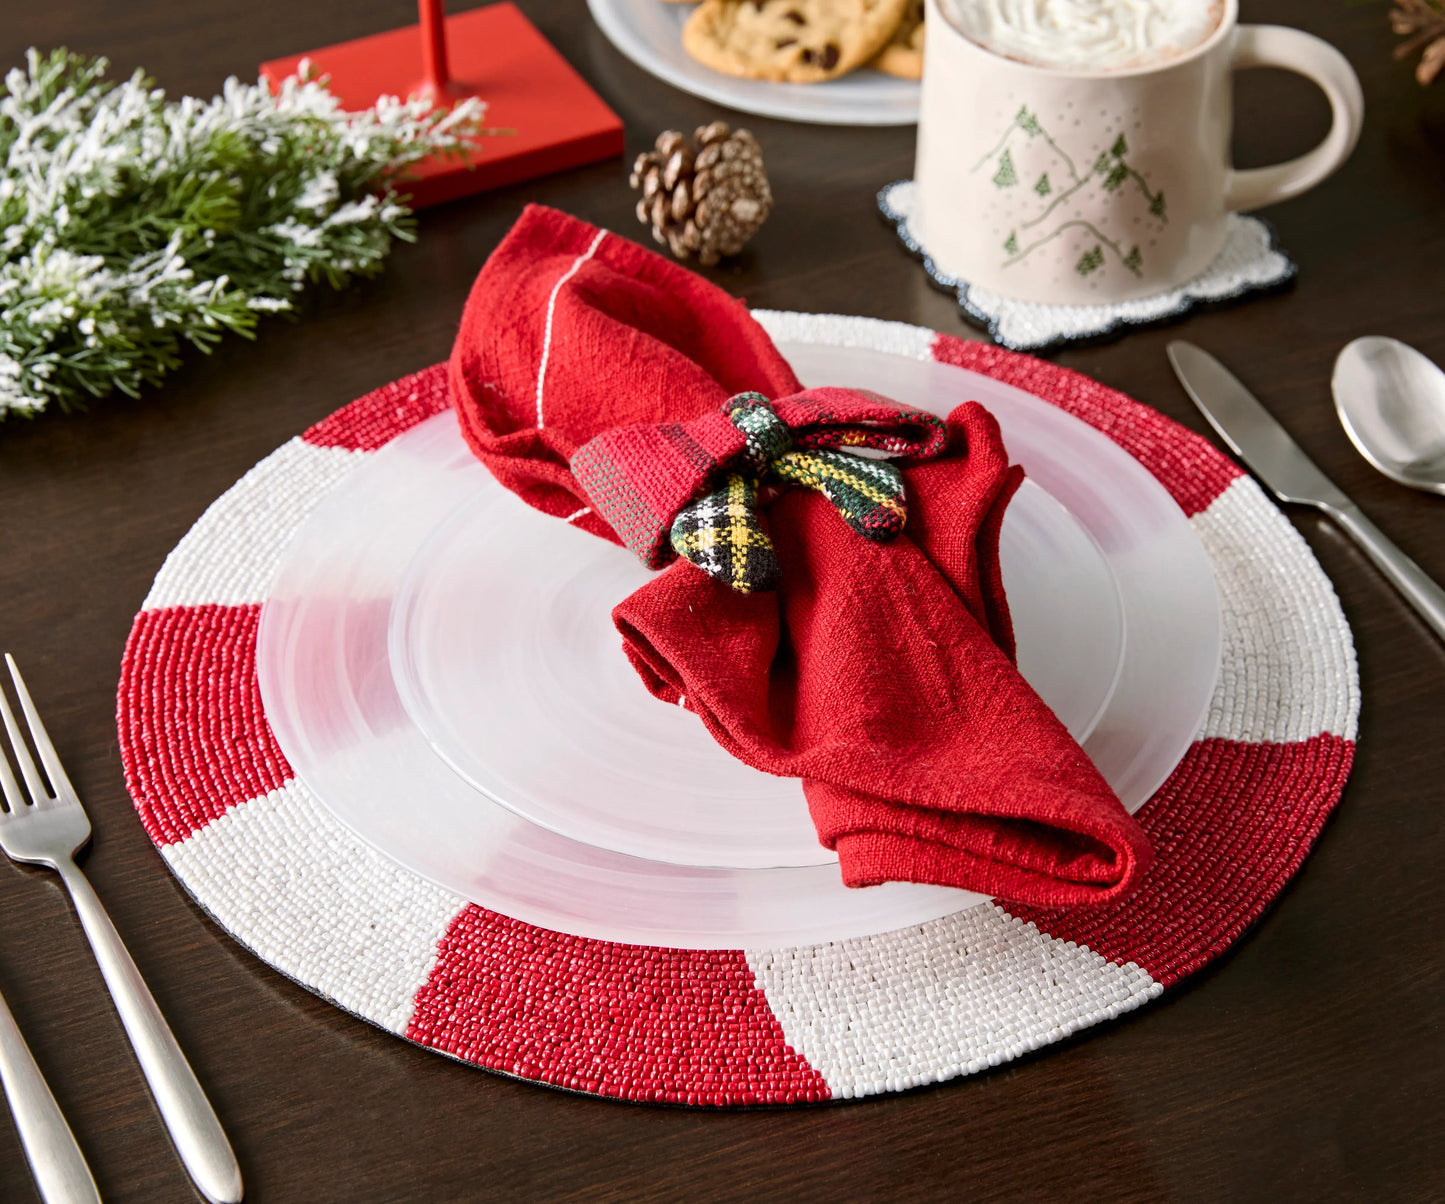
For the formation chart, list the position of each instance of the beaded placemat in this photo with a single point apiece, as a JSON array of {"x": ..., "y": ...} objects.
[
  {"x": 1252, "y": 263},
  {"x": 746, "y": 1026}
]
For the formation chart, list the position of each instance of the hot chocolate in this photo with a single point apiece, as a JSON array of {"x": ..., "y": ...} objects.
[{"x": 1088, "y": 35}]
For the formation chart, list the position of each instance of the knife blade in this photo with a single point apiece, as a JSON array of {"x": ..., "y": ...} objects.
[
  {"x": 1251, "y": 432},
  {"x": 1254, "y": 435}
]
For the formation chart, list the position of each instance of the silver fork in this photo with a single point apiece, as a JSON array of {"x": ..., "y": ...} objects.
[{"x": 47, "y": 828}]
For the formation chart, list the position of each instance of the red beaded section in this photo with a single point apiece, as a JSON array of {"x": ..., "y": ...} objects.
[
  {"x": 1186, "y": 464},
  {"x": 369, "y": 423},
  {"x": 1230, "y": 827},
  {"x": 193, "y": 735},
  {"x": 629, "y": 1021}
]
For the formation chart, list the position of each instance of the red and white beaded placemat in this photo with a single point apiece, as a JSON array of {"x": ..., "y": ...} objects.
[{"x": 746, "y": 1026}]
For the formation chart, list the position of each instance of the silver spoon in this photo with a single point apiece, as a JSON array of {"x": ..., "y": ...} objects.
[{"x": 1391, "y": 400}]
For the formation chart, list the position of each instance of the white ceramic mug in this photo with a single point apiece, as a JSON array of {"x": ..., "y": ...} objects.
[{"x": 1075, "y": 187}]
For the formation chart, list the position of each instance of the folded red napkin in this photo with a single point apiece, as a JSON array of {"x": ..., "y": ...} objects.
[{"x": 603, "y": 384}]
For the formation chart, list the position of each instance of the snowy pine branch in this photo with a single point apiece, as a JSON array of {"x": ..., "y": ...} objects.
[{"x": 131, "y": 225}]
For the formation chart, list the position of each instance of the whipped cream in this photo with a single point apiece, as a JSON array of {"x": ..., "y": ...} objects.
[{"x": 1094, "y": 35}]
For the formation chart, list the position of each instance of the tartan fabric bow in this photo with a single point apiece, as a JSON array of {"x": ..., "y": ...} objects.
[
  {"x": 693, "y": 489},
  {"x": 721, "y": 532}
]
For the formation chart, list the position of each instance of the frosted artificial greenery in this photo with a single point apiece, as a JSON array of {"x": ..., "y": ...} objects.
[{"x": 131, "y": 225}]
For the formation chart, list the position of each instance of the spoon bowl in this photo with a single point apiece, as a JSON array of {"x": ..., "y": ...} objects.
[{"x": 1391, "y": 401}]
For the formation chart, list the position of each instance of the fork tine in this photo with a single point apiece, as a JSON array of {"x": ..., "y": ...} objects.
[
  {"x": 48, "y": 757},
  {"x": 13, "y": 798},
  {"x": 22, "y": 755}
]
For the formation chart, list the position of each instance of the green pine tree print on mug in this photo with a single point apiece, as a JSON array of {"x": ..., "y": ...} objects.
[{"x": 1110, "y": 171}]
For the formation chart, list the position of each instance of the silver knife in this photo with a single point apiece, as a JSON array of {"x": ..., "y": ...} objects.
[
  {"x": 55, "y": 1160},
  {"x": 1276, "y": 459}
]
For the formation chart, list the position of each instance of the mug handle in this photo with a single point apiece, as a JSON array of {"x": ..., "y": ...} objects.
[{"x": 1316, "y": 59}]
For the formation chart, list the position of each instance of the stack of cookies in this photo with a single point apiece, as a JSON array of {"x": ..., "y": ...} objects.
[{"x": 806, "y": 41}]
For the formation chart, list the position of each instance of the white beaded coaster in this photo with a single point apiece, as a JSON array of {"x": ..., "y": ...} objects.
[{"x": 1250, "y": 264}]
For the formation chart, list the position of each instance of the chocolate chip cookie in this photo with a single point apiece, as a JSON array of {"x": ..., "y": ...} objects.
[
  {"x": 798, "y": 41},
  {"x": 903, "y": 54}
]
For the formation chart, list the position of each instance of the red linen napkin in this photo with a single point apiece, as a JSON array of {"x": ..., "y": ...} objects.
[{"x": 882, "y": 674}]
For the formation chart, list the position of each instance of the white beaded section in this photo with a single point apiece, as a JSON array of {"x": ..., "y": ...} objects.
[
  {"x": 1287, "y": 664},
  {"x": 229, "y": 556},
  {"x": 1249, "y": 261},
  {"x": 950, "y": 997},
  {"x": 307, "y": 896},
  {"x": 841, "y": 330}
]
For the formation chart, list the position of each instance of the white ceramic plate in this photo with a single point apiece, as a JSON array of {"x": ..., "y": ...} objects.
[
  {"x": 649, "y": 32},
  {"x": 473, "y": 716}
]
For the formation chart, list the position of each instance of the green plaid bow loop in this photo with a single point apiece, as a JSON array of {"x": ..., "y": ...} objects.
[{"x": 721, "y": 532}]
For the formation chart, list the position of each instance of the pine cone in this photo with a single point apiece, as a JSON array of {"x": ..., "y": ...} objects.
[
  {"x": 1423, "y": 23},
  {"x": 705, "y": 202}
]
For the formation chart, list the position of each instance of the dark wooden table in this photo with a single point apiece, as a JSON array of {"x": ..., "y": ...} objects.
[{"x": 1306, "y": 1064}]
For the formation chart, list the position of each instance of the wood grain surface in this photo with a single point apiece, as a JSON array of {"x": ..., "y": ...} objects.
[{"x": 1306, "y": 1064}]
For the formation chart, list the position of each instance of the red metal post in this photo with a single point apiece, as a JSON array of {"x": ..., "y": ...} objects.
[{"x": 435, "y": 75}]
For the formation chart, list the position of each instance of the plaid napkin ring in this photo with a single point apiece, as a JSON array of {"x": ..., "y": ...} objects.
[{"x": 693, "y": 489}]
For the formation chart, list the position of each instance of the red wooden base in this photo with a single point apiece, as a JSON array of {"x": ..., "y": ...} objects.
[{"x": 494, "y": 53}]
